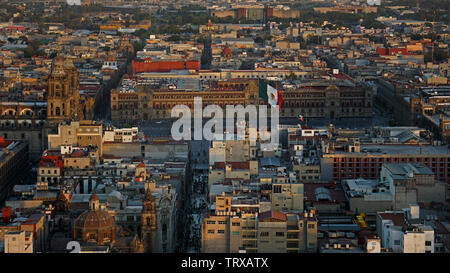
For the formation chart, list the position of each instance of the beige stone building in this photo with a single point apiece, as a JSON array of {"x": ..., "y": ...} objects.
[
  {"x": 287, "y": 233},
  {"x": 48, "y": 173},
  {"x": 35, "y": 224},
  {"x": 307, "y": 173},
  {"x": 230, "y": 170},
  {"x": 287, "y": 196},
  {"x": 19, "y": 242},
  {"x": 78, "y": 133},
  {"x": 228, "y": 231},
  {"x": 79, "y": 159},
  {"x": 340, "y": 97},
  {"x": 231, "y": 151}
]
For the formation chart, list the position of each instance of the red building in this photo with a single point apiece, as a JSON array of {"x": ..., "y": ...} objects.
[
  {"x": 53, "y": 156},
  {"x": 392, "y": 51},
  {"x": 351, "y": 165},
  {"x": 163, "y": 65},
  {"x": 241, "y": 13}
]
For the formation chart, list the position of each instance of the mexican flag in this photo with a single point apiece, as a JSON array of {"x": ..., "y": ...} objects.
[{"x": 269, "y": 94}]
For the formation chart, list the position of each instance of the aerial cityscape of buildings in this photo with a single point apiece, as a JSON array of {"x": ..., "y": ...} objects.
[{"x": 87, "y": 155}]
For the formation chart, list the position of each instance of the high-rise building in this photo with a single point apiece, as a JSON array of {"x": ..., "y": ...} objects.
[{"x": 227, "y": 230}]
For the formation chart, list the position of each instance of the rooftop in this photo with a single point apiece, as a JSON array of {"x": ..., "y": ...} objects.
[
  {"x": 396, "y": 149},
  {"x": 404, "y": 170}
]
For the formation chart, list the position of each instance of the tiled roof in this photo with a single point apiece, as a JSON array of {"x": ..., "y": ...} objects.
[{"x": 272, "y": 215}]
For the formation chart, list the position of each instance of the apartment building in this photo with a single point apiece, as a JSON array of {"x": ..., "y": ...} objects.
[
  {"x": 221, "y": 171},
  {"x": 227, "y": 230},
  {"x": 13, "y": 159},
  {"x": 78, "y": 133},
  {"x": 287, "y": 196},
  {"x": 287, "y": 232},
  {"x": 19, "y": 242},
  {"x": 48, "y": 173},
  {"x": 401, "y": 232},
  {"x": 367, "y": 161}
]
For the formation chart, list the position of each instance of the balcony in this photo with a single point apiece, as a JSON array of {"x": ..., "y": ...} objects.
[
  {"x": 250, "y": 245},
  {"x": 249, "y": 228}
]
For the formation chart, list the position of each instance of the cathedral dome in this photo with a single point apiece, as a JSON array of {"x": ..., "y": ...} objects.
[
  {"x": 94, "y": 224},
  {"x": 94, "y": 219}
]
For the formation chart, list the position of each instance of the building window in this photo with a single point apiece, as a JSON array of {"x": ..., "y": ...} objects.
[
  {"x": 210, "y": 222},
  {"x": 221, "y": 231},
  {"x": 264, "y": 234},
  {"x": 396, "y": 242},
  {"x": 210, "y": 231},
  {"x": 277, "y": 189},
  {"x": 428, "y": 243},
  {"x": 235, "y": 233},
  {"x": 279, "y": 234}
]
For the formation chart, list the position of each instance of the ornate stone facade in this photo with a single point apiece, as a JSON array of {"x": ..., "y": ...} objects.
[
  {"x": 318, "y": 99},
  {"x": 148, "y": 222},
  {"x": 63, "y": 97},
  {"x": 327, "y": 99},
  {"x": 155, "y": 104},
  {"x": 158, "y": 219},
  {"x": 26, "y": 121}
]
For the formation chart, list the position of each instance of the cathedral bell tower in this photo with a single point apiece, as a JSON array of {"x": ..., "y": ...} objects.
[
  {"x": 63, "y": 97},
  {"x": 148, "y": 222}
]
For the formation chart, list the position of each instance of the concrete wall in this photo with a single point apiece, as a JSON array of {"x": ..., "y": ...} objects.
[
  {"x": 435, "y": 193},
  {"x": 272, "y": 243},
  {"x": 404, "y": 197},
  {"x": 166, "y": 151},
  {"x": 358, "y": 205},
  {"x": 122, "y": 149},
  {"x": 413, "y": 242}
]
